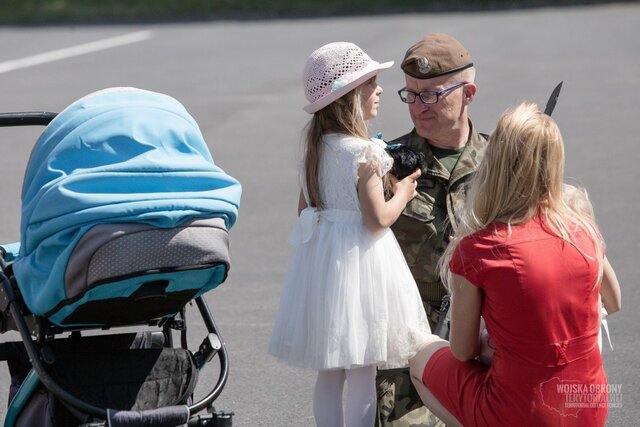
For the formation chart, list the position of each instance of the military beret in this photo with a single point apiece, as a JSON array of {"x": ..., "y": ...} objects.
[{"x": 435, "y": 55}]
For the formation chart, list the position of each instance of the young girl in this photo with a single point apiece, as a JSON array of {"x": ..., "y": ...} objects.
[
  {"x": 577, "y": 200},
  {"x": 349, "y": 302}
]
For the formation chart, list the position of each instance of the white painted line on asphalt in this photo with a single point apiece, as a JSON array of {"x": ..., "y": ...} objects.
[{"x": 68, "y": 52}]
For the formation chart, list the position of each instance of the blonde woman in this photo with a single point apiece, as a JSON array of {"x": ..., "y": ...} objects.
[
  {"x": 349, "y": 302},
  {"x": 532, "y": 266}
]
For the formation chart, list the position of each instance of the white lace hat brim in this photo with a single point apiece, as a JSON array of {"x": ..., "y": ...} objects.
[{"x": 357, "y": 79}]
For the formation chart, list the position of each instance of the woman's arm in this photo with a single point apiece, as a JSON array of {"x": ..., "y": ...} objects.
[
  {"x": 466, "y": 304},
  {"x": 610, "y": 289},
  {"x": 377, "y": 213},
  {"x": 302, "y": 203}
]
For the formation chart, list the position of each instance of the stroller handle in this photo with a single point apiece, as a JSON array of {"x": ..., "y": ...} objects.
[{"x": 28, "y": 118}]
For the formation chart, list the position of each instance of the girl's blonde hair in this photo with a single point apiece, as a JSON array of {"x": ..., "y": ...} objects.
[
  {"x": 577, "y": 199},
  {"x": 521, "y": 177},
  {"x": 341, "y": 116}
]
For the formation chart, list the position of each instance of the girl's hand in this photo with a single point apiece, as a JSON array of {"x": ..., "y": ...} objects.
[
  {"x": 379, "y": 213},
  {"x": 406, "y": 188}
]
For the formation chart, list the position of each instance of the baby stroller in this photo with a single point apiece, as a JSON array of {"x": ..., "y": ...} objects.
[{"x": 124, "y": 224}]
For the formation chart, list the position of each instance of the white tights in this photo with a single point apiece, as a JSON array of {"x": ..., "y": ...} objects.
[{"x": 360, "y": 404}]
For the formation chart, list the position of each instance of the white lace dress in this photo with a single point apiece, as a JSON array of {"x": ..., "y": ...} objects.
[{"x": 349, "y": 298}]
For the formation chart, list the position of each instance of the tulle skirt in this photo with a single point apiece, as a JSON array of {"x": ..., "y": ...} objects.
[{"x": 348, "y": 300}]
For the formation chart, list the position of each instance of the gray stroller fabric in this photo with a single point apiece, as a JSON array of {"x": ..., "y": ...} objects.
[
  {"x": 129, "y": 380},
  {"x": 170, "y": 416},
  {"x": 108, "y": 252},
  {"x": 39, "y": 412}
]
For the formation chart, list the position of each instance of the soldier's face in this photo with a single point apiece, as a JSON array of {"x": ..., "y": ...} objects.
[{"x": 434, "y": 121}]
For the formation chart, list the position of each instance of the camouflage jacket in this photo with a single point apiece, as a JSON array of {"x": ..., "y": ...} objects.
[{"x": 425, "y": 226}]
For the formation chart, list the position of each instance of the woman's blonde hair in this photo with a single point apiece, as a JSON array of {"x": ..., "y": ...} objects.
[
  {"x": 521, "y": 177},
  {"x": 344, "y": 116}
]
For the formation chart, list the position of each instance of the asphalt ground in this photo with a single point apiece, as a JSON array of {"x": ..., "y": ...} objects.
[{"x": 241, "y": 81}]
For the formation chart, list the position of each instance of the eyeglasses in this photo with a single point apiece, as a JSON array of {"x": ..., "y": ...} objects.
[{"x": 427, "y": 96}]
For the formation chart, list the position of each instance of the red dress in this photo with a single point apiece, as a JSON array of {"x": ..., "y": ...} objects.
[{"x": 540, "y": 307}]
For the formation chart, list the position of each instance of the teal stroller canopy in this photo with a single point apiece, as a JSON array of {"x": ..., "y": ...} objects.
[{"x": 120, "y": 155}]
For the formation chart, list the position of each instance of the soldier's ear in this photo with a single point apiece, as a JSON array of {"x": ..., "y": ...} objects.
[{"x": 469, "y": 92}]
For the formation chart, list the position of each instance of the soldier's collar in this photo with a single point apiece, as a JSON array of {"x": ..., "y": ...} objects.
[{"x": 420, "y": 141}]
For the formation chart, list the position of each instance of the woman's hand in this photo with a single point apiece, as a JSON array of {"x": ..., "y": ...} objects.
[{"x": 487, "y": 348}]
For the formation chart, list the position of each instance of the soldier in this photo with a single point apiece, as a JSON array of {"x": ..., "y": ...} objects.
[{"x": 440, "y": 86}]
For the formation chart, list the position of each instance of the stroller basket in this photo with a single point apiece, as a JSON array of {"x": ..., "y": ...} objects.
[{"x": 125, "y": 221}]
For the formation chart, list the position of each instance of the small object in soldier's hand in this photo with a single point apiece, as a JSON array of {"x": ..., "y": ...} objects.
[{"x": 405, "y": 160}]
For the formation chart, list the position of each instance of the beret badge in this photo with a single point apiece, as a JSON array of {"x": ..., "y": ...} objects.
[{"x": 423, "y": 65}]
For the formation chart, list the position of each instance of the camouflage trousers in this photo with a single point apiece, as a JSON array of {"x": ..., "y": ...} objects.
[{"x": 399, "y": 404}]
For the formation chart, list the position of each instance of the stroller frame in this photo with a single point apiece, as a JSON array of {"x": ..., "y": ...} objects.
[{"x": 36, "y": 331}]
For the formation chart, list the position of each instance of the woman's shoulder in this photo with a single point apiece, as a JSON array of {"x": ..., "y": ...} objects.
[
  {"x": 504, "y": 234},
  {"x": 490, "y": 234},
  {"x": 494, "y": 235}
]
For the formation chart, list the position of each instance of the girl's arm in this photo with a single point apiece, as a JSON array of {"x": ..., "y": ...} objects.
[
  {"x": 302, "y": 203},
  {"x": 378, "y": 213},
  {"x": 610, "y": 289},
  {"x": 466, "y": 303}
]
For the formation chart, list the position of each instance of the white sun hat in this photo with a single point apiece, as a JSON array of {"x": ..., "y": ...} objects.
[{"x": 334, "y": 70}]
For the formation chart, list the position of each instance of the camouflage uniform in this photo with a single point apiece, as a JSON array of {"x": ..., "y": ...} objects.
[
  {"x": 423, "y": 231},
  {"x": 398, "y": 402}
]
